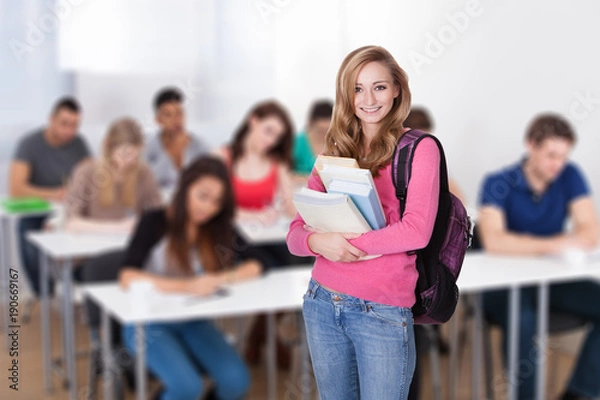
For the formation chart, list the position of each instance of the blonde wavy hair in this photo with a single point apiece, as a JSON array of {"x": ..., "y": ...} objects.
[
  {"x": 344, "y": 137},
  {"x": 122, "y": 131}
]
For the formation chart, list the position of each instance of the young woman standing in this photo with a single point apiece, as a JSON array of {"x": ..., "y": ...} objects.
[{"x": 358, "y": 313}]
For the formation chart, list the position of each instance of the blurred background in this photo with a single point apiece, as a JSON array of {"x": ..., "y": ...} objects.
[{"x": 483, "y": 68}]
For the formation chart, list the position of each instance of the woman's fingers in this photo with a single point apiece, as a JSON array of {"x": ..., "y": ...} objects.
[{"x": 350, "y": 235}]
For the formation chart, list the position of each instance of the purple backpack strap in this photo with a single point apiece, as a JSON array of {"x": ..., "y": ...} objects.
[
  {"x": 401, "y": 160},
  {"x": 402, "y": 164}
]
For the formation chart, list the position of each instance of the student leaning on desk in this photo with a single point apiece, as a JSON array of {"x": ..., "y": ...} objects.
[
  {"x": 191, "y": 247},
  {"x": 523, "y": 211},
  {"x": 42, "y": 164},
  {"x": 108, "y": 194}
]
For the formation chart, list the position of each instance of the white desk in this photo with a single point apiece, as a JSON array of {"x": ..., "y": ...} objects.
[
  {"x": 482, "y": 272},
  {"x": 278, "y": 291},
  {"x": 8, "y": 220},
  {"x": 60, "y": 248},
  {"x": 257, "y": 233},
  {"x": 283, "y": 290}
]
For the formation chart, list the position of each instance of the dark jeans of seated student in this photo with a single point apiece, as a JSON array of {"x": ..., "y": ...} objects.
[
  {"x": 578, "y": 298},
  {"x": 30, "y": 255}
]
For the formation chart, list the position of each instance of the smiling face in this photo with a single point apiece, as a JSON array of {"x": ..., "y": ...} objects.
[
  {"x": 204, "y": 199},
  {"x": 374, "y": 93},
  {"x": 548, "y": 158}
]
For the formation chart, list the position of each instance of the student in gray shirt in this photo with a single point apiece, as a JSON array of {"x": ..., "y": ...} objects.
[
  {"x": 174, "y": 147},
  {"x": 41, "y": 166}
]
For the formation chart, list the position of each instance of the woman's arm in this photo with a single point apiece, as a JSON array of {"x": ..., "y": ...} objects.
[
  {"x": 285, "y": 189},
  {"x": 200, "y": 285},
  {"x": 90, "y": 225},
  {"x": 334, "y": 246},
  {"x": 414, "y": 230},
  {"x": 266, "y": 215},
  {"x": 150, "y": 229}
]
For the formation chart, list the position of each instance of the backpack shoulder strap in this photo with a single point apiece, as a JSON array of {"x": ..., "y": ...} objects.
[{"x": 402, "y": 164}]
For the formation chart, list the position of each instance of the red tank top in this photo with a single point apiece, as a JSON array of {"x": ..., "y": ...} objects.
[{"x": 255, "y": 194}]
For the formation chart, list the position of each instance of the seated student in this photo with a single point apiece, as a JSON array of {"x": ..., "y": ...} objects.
[
  {"x": 41, "y": 166},
  {"x": 174, "y": 147},
  {"x": 259, "y": 160},
  {"x": 107, "y": 195},
  {"x": 524, "y": 208},
  {"x": 309, "y": 144},
  {"x": 419, "y": 118},
  {"x": 176, "y": 249}
]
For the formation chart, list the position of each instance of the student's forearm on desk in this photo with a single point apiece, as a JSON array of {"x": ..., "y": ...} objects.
[
  {"x": 207, "y": 283},
  {"x": 19, "y": 186},
  {"x": 26, "y": 190},
  {"x": 78, "y": 224},
  {"x": 204, "y": 284},
  {"x": 162, "y": 283},
  {"x": 244, "y": 271},
  {"x": 588, "y": 236},
  {"x": 520, "y": 244}
]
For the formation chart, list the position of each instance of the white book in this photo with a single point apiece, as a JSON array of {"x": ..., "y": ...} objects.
[
  {"x": 357, "y": 175},
  {"x": 364, "y": 198},
  {"x": 329, "y": 212}
]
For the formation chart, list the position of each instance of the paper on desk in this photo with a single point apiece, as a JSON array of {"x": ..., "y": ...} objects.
[
  {"x": 158, "y": 300},
  {"x": 577, "y": 257}
]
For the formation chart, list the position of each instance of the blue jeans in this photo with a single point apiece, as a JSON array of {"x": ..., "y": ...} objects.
[
  {"x": 30, "y": 255},
  {"x": 359, "y": 349},
  {"x": 580, "y": 299},
  {"x": 179, "y": 353}
]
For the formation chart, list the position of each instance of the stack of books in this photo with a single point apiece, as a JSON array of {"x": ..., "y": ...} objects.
[{"x": 351, "y": 203}]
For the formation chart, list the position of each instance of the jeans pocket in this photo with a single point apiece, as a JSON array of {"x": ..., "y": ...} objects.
[
  {"x": 392, "y": 315},
  {"x": 310, "y": 291}
]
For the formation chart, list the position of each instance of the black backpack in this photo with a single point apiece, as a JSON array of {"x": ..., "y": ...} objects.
[{"x": 439, "y": 263}]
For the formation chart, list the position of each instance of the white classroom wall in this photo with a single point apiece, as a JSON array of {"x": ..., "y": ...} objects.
[{"x": 483, "y": 68}]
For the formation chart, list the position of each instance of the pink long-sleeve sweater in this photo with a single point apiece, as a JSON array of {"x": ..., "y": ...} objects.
[{"x": 391, "y": 278}]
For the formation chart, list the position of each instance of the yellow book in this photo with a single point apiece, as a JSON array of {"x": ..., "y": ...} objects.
[{"x": 345, "y": 162}]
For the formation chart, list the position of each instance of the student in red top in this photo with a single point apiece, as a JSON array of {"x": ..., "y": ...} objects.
[{"x": 260, "y": 160}]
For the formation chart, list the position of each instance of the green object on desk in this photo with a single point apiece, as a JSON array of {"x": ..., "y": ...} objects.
[{"x": 25, "y": 205}]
